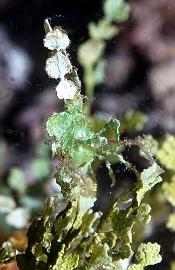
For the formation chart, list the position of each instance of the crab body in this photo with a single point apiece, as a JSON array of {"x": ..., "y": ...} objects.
[{"x": 72, "y": 137}]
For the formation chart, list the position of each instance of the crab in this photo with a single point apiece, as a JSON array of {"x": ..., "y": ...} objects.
[{"x": 75, "y": 142}]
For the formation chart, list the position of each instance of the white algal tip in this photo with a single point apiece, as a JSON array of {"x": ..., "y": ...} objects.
[
  {"x": 58, "y": 65},
  {"x": 66, "y": 89},
  {"x": 55, "y": 39}
]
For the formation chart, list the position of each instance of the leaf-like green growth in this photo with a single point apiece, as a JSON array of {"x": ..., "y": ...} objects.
[
  {"x": 133, "y": 121},
  {"x": 172, "y": 265},
  {"x": 40, "y": 168},
  {"x": 16, "y": 180},
  {"x": 169, "y": 190},
  {"x": 171, "y": 222},
  {"x": 147, "y": 254},
  {"x": 99, "y": 257},
  {"x": 114, "y": 224},
  {"x": 150, "y": 145},
  {"x": 76, "y": 236},
  {"x": 151, "y": 176},
  {"x": 93, "y": 49},
  {"x": 143, "y": 213},
  {"x": 166, "y": 153},
  {"x": 99, "y": 71},
  {"x": 58, "y": 236},
  {"x": 7, "y": 253},
  {"x": 116, "y": 10},
  {"x": 90, "y": 53},
  {"x": 102, "y": 30}
]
